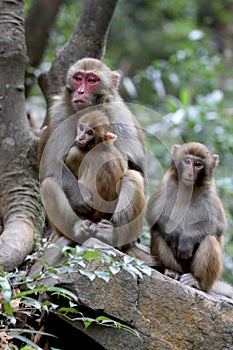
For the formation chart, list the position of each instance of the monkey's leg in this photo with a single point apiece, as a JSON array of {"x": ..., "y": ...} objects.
[
  {"x": 61, "y": 215},
  {"x": 163, "y": 252},
  {"x": 207, "y": 264},
  {"x": 129, "y": 212}
]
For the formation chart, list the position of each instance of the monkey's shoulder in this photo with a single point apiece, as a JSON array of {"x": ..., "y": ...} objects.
[{"x": 60, "y": 109}]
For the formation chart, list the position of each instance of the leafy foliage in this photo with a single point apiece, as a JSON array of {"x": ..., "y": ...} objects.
[{"x": 23, "y": 297}]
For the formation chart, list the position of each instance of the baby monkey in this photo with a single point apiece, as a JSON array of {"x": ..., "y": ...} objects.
[
  {"x": 187, "y": 219},
  {"x": 101, "y": 171},
  {"x": 98, "y": 166}
]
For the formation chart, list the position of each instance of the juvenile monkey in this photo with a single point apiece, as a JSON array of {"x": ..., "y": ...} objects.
[
  {"x": 99, "y": 169},
  {"x": 187, "y": 218},
  {"x": 90, "y": 83}
]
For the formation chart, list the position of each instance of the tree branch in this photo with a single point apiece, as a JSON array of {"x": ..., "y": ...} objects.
[
  {"x": 88, "y": 40},
  {"x": 37, "y": 28}
]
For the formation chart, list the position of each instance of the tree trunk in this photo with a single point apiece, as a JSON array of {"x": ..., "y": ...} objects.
[
  {"x": 88, "y": 40},
  {"x": 21, "y": 206},
  {"x": 37, "y": 32}
]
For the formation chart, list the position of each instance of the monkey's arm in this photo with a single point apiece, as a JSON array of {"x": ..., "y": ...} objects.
[
  {"x": 73, "y": 160},
  {"x": 60, "y": 214},
  {"x": 172, "y": 239},
  {"x": 128, "y": 215},
  {"x": 79, "y": 197}
]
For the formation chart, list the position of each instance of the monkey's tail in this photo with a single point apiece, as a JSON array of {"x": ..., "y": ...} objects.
[{"x": 222, "y": 288}]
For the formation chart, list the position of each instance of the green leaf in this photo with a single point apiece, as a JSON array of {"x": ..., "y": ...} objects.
[
  {"x": 114, "y": 269},
  {"x": 128, "y": 259},
  {"x": 145, "y": 269},
  {"x": 71, "y": 310},
  {"x": 133, "y": 271},
  {"x": 58, "y": 290},
  {"x": 106, "y": 321},
  {"x": 91, "y": 254},
  {"x": 81, "y": 263},
  {"x": 91, "y": 275},
  {"x": 6, "y": 294},
  {"x": 104, "y": 275},
  {"x": 185, "y": 97},
  {"x": 32, "y": 303}
]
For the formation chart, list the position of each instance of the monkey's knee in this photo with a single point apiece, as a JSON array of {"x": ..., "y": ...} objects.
[
  {"x": 131, "y": 203},
  {"x": 207, "y": 262},
  {"x": 57, "y": 207}
]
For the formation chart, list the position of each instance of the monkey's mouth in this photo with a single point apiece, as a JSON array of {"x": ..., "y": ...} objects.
[
  {"x": 79, "y": 101},
  {"x": 81, "y": 144},
  {"x": 80, "y": 104},
  {"x": 188, "y": 182}
]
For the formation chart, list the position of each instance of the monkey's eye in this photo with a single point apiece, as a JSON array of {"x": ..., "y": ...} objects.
[
  {"x": 198, "y": 164},
  {"x": 81, "y": 127},
  {"x": 91, "y": 80},
  {"x": 77, "y": 77},
  {"x": 90, "y": 132}
]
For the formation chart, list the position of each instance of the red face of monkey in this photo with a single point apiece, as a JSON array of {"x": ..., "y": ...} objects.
[{"x": 85, "y": 84}]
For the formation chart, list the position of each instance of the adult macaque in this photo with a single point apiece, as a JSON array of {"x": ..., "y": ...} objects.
[
  {"x": 187, "y": 218},
  {"x": 90, "y": 83}
]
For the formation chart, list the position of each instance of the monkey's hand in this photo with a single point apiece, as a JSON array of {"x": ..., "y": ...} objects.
[
  {"x": 185, "y": 248},
  {"x": 83, "y": 204},
  {"x": 105, "y": 232},
  {"x": 172, "y": 274},
  {"x": 79, "y": 197},
  {"x": 84, "y": 229}
]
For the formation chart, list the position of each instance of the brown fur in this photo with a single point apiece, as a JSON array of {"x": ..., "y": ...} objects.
[
  {"x": 188, "y": 222},
  {"x": 131, "y": 198},
  {"x": 102, "y": 183}
]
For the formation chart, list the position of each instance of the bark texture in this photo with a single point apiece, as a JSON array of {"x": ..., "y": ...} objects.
[
  {"x": 21, "y": 211},
  {"x": 21, "y": 206}
]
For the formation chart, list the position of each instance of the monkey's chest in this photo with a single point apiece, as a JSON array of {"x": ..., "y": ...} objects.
[{"x": 183, "y": 211}]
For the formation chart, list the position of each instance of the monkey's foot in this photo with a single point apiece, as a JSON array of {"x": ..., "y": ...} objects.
[
  {"x": 189, "y": 280},
  {"x": 173, "y": 274},
  {"x": 105, "y": 232},
  {"x": 84, "y": 229}
]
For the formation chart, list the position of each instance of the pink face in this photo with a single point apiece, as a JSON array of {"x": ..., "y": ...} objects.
[{"x": 84, "y": 84}]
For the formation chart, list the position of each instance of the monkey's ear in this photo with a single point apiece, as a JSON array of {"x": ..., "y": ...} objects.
[
  {"x": 215, "y": 158},
  {"x": 109, "y": 137},
  {"x": 68, "y": 87},
  {"x": 116, "y": 78},
  {"x": 174, "y": 150}
]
